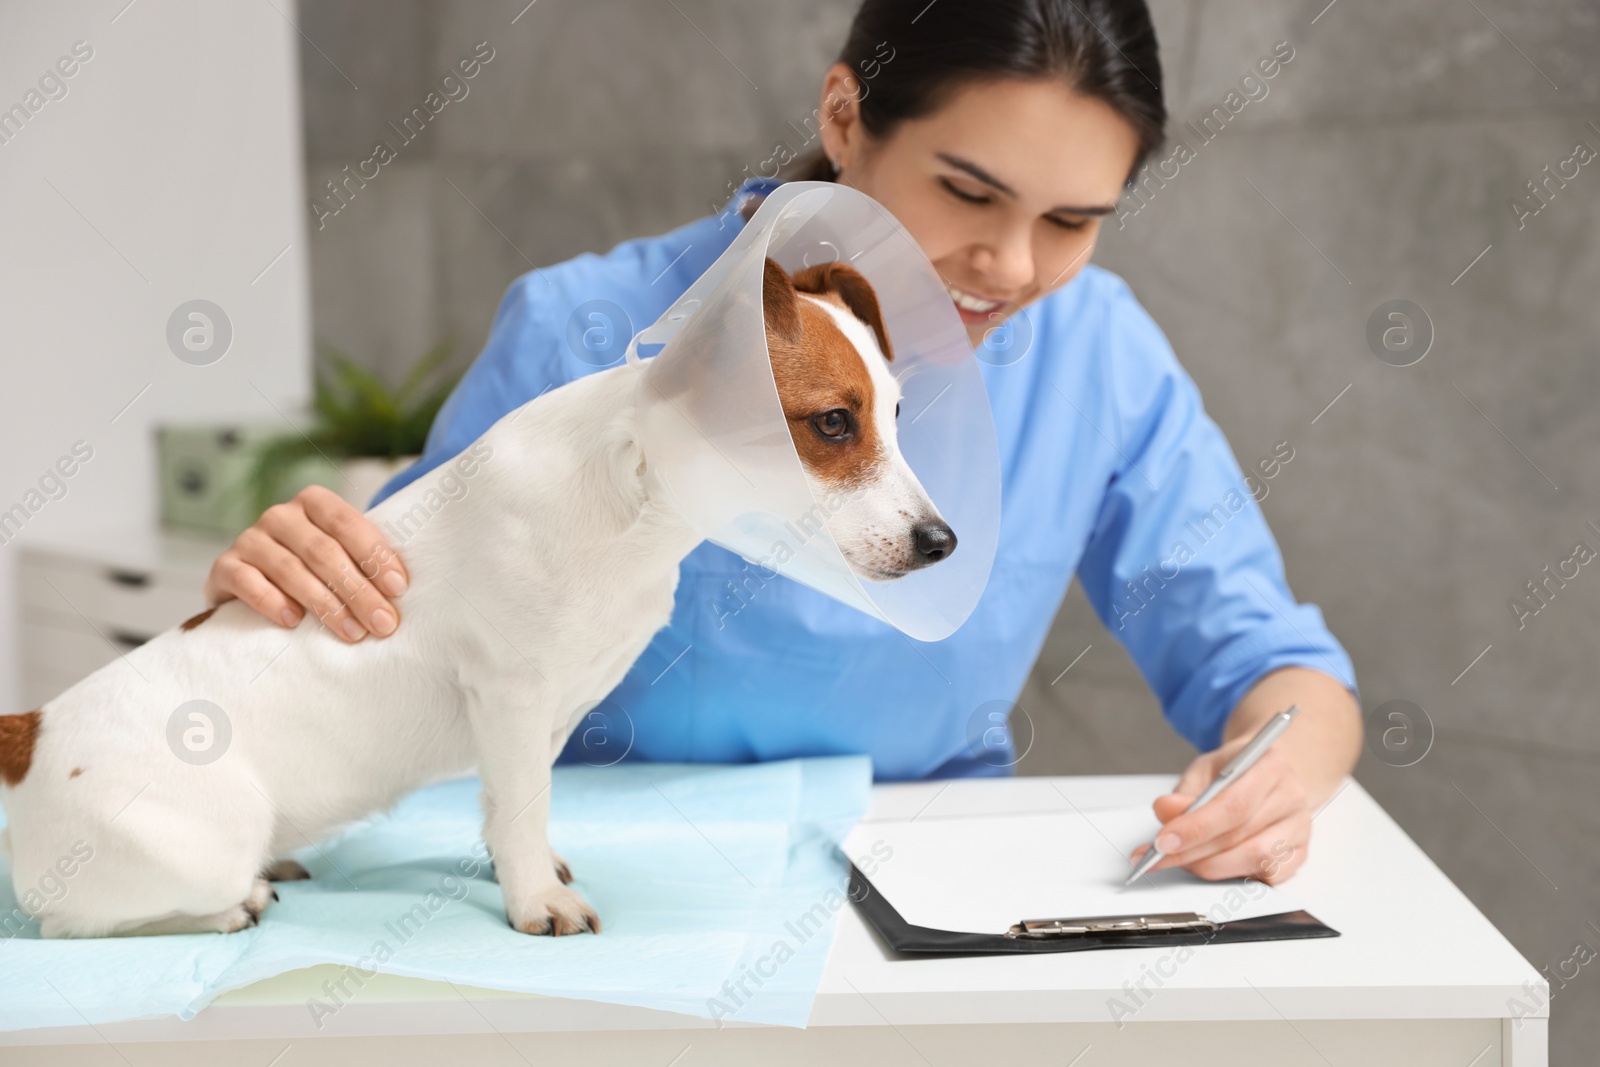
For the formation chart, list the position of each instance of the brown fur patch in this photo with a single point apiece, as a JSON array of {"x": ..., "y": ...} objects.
[
  {"x": 848, "y": 288},
  {"x": 195, "y": 620},
  {"x": 817, "y": 369},
  {"x": 779, "y": 305},
  {"x": 17, "y": 736}
]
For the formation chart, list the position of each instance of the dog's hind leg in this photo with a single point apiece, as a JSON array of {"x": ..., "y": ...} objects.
[
  {"x": 243, "y": 914},
  {"x": 285, "y": 870},
  {"x": 174, "y": 856},
  {"x": 246, "y": 913}
]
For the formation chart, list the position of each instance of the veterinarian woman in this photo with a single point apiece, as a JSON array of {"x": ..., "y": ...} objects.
[{"x": 1001, "y": 134}]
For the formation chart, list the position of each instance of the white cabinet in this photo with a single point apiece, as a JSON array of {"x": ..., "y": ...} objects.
[{"x": 85, "y": 601}]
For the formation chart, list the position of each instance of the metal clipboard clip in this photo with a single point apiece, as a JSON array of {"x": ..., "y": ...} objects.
[{"x": 1099, "y": 925}]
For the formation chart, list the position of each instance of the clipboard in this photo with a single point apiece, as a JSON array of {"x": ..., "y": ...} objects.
[{"x": 1077, "y": 934}]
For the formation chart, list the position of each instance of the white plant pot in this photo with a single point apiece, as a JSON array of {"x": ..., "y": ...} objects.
[{"x": 360, "y": 478}]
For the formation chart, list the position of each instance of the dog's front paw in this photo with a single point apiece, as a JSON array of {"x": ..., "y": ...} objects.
[
  {"x": 563, "y": 872},
  {"x": 556, "y": 911}
]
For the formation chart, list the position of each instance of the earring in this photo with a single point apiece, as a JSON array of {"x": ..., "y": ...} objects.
[{"x": 834, "y": 163}]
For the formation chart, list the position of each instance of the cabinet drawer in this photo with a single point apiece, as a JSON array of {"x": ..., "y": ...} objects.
[
  {"x": 56, "y": 647},
  {"x": 131, "y": 601}
]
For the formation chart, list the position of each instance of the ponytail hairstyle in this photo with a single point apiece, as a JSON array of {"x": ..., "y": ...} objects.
[{"x": 1102, "y": 49}]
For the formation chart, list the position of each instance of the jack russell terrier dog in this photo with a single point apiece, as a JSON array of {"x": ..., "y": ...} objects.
[{"x": 530, "y": 597}]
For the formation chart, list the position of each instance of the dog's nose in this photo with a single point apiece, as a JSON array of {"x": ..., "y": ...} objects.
[{"x": 935, "y": 541}]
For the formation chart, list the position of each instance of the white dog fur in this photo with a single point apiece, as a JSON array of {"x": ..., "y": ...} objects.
[{"x": 533, "y": 590}]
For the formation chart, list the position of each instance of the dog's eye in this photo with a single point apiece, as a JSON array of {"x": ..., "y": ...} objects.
[
  {"x": 897, "y": 409},
  {"x": 834, "y": 424}
]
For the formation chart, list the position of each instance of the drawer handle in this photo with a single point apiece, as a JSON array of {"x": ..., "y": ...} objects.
[
  {"x": 128, "y": 640},
  {"x": 132, "y": 579}
]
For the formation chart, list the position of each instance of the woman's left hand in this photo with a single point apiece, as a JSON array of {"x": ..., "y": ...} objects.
[{"x": 1258, "y": 827}]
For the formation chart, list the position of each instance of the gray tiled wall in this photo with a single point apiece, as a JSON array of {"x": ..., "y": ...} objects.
[
  {"x": 1378, "y": 166},
  {"x": 1382, "y": 159},
  {"x": 592, "y": 123}
]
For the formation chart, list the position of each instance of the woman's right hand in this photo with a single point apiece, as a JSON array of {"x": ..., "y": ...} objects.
[{"x": 315, "y": 553}]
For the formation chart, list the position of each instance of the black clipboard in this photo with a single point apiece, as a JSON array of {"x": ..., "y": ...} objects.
[{"x": 1076, "y": 935}]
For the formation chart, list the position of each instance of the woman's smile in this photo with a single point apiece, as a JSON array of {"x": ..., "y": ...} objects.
[{"x": 973, "y": 308}]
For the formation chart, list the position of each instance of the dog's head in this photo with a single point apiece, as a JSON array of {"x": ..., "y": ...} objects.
[{"x": 830, "y": 360}]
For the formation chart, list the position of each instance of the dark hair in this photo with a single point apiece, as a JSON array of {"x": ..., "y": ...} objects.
[{"x": 1104, "y": 49}]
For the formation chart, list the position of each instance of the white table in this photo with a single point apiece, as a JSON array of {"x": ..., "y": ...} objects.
[{"x": 1418, "y": 978}]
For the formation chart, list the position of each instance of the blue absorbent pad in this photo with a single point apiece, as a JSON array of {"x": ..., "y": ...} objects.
[{"x": 717, "y": 889}]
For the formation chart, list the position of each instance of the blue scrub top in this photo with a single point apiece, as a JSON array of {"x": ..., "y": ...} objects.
[{"x": 1110, "y": 469}]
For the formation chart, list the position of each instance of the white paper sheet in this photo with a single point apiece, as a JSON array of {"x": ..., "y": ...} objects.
[{"x": 980, "y": 874}]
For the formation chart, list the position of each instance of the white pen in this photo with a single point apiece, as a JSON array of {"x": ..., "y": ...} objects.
[{"x": 1269, "y": 732}]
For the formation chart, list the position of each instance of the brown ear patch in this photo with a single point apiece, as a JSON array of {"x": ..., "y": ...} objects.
[
  {"x": 779, "y": 305},
  {"x": 195, "y": 620},
  {"x": 853, "y": 291},
  {"x": 17, "y": 736}
]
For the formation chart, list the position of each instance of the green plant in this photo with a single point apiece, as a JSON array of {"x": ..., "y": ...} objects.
[{"x": 358, "y": 415}]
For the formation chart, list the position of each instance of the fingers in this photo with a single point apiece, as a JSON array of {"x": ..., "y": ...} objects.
[
  {"x": 1172, "y": 805},
  {"x": 1271, "y": 855},
  {"x": 1273, "y": 811},
  {"x": 316, "y": 553},
  {"x": 310, "y": 548},
  {"x": 1200, "y": 771},
  {"x": 231, "y": 577},
  {"x": 1199, "y": 774},
  {"x": 1232, "y": 807},
  {"x": 1264, "y": 795},
  {"x": 287, "y": 572},
  {"x": 375, "y": 560},
  {"x": 218, "y": 588}
]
